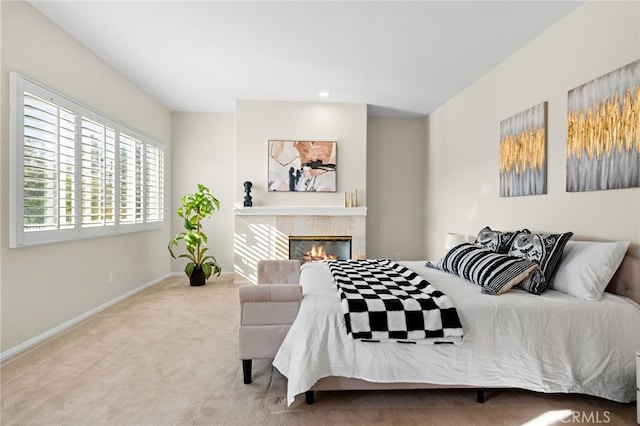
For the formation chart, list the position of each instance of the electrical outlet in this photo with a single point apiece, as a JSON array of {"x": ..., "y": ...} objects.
[
  {"x": 397, "y": 255},
  {"x": 110, "y": 278}
]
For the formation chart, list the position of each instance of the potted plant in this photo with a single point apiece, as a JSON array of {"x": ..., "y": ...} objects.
[{"x": 196, "y": 207}]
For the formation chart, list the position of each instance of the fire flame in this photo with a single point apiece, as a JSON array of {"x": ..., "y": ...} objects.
[{"x": 317, "y": 254}]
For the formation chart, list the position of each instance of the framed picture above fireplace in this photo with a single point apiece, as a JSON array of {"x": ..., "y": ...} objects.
[{"x": 302, "y": 166}]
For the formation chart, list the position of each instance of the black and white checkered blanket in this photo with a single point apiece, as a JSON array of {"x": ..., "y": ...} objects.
[{"x": 385, "y": 301}]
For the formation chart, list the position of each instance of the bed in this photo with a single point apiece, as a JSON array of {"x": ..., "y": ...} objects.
[{"x": 553, "y": 342}]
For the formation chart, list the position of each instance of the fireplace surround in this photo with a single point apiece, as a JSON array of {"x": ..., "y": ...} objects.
[{"x": 262, "y": 232}]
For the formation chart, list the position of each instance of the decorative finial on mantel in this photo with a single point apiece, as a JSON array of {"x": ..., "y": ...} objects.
[{"x": 247, "y": 194}]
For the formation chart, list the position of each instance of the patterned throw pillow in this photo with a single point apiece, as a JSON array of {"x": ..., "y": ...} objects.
[
  {"x": 544, "y": 249},
  {"x": 497, "y": 241},
  {"x": 496, "y": 273},
  {"x": 534, "y": 283}
]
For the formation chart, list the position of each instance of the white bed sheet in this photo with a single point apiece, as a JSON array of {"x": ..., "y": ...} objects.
[{"x": 548, "y": 343}]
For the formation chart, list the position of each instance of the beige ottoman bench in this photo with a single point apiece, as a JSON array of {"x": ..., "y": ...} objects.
[{"x": 267, "y": 311}]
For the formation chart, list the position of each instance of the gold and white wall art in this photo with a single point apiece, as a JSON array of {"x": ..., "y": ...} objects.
[
  {"x": 523, "y": 153},
  {"x": 603, "y": 132}
]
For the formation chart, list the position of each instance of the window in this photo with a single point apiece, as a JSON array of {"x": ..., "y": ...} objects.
[{"x": 75, "y": 173}]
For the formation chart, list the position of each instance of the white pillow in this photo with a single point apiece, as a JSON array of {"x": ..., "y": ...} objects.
[{"x": 586, "y": 267}]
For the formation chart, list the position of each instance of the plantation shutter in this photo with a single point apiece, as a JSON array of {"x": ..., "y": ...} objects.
[
  {"x": 98, "y": 173},
  {"x": 48, "y": 165},
  {"x": 139, "y": 181},
  {"x": 130, "y": 179},
  {"x": 154, "y": 183}
]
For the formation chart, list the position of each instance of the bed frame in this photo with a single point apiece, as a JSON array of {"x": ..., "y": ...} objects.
[{"x": 625, "y": 282}]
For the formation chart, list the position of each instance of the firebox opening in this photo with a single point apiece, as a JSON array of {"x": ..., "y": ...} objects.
[{"x": 317, "y": 248}]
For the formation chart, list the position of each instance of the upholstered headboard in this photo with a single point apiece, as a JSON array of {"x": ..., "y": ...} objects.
[{"x": 626, "y": 281}]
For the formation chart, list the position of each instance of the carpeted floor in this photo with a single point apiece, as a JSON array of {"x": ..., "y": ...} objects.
[{"x": 167, "y": 356}]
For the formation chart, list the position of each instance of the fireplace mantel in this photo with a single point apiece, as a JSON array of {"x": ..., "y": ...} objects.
[{"x": 300, "y": 211}]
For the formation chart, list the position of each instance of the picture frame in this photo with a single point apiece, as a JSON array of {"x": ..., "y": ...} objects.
[
  {"x": 302, "y": 166},
  {"x": 603, "y": 132},
  {"x": 523, "y": 153}
]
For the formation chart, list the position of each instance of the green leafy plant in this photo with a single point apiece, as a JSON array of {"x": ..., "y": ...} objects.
[{"x": 196, "y": 207}]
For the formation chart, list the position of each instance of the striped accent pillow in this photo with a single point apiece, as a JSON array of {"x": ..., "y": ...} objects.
[{"x": 495, "y": 272}]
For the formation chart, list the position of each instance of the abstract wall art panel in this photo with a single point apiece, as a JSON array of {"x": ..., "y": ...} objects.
[
  {"x": 603, "y": 132},
  {"x": 302, "y": 166},
  {"x": 523, "y": 153}
]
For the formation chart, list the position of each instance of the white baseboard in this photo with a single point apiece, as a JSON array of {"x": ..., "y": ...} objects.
[{"x": 67, "y": 325}]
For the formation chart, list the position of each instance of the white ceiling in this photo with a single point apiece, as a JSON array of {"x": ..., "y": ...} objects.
[{"x": 401, "y": 58}]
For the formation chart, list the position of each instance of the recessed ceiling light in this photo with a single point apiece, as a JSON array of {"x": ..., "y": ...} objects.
[{"x": 323, "y": 94}]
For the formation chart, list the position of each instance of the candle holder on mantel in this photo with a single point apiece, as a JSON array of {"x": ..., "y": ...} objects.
[
  {"x": 247, "y": 194},
  {"x": 351, "y": 199}
]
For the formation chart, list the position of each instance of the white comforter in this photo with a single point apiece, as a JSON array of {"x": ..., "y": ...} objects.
[{"x": 548, "y": 343}]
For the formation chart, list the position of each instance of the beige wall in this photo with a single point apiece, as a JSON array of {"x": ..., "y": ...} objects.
[
  {"x": 395, "y": 178},
  {"x": 257, "y": 122},
  {"x": 222, "y": 150},
  {"x": 463, "y": 135},
  {"x": 394, "y": 153},
  {"x": 46, "y": 286},
  {"x": 203, "y": 151},
  {"x": 395, "y": 170}
]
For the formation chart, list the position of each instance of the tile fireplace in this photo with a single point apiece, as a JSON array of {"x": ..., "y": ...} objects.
[
  {"x": 262, "y": 232},
  {"x": 314, "y": 248}
]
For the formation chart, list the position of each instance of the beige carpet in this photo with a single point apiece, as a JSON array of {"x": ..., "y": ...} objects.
[{"x": 167, "y": 356}]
